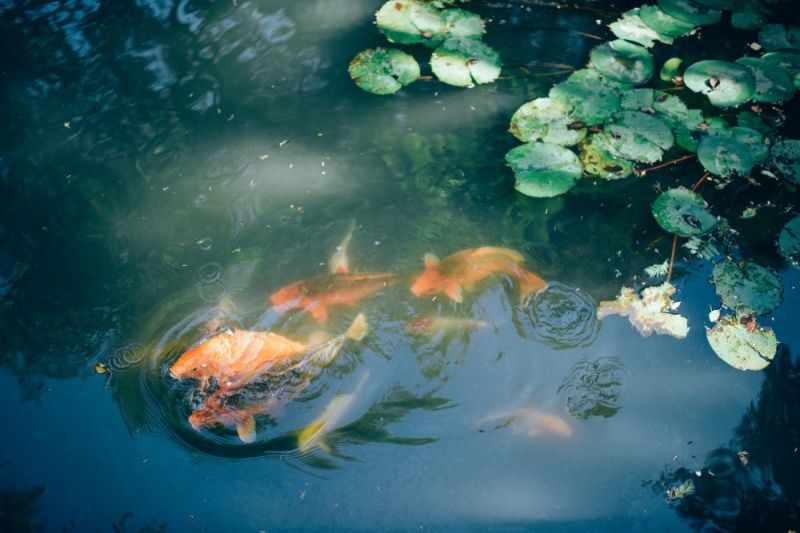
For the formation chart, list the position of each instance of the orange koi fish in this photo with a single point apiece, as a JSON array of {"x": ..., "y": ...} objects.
[
  {"x": 531, "y": 421},
  {"x": 430, "y": 325},
  {"x": 461, "y": 271}
]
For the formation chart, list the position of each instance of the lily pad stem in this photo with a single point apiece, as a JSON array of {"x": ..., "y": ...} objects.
[
  {"x": 667, "y": 164},
  {"x": 672, "y": 256},
  {"x": 698, "y": 182}
]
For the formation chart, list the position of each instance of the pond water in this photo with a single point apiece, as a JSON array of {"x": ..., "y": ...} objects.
[{"x": 166, "y": 166}]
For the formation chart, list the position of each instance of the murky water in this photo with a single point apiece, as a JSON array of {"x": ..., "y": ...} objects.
[{"x": 166, "y": 166}]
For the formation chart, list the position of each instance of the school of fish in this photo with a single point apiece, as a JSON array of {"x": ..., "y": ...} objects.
[{"x": 242, "y": 373}]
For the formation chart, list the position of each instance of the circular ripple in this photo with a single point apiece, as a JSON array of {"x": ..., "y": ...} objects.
[
  {"x": 593, "y": 386},
  {"x": 563, "y": 317},
  {"x": 209, "y": 273},
  {"x": 126, "y": 357}
]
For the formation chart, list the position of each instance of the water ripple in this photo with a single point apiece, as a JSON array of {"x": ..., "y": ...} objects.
[
  {"x": 593, "y": 386},
  {"x": 563, "y": 317}
]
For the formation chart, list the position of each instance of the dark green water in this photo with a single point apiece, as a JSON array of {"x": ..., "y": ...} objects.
[{"x": 161, "y": 157}]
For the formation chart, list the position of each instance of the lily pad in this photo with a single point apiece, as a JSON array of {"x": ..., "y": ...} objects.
[
  {"x": 593, "y": 98},
  {"x": 775, "y": 37},
  {"x": 748, "y": 19},
  {"x": 747, "y": 288},
  {"x": 788, "y": 60},
  {"x": 544, "y": 170},
  {"x": 464, "y": 62},
  {"x": 740, "y": 347},
  {"x": 462, "y": 23},
  {"x": 725, "y": 83},
  {"x": 631, "y": 28},
  {"x": 548, "y": 120},
  {"x": 636, "y": 136},
  {"x": 622, "y": 61},
  {"x": 599, "y": 162},
  {"x": 789, "y": 241},
  {"x": 683, "y": 212},
  {"x": 410, "y": 22},
  {"x": 785, "y": 159},
  {"x": 750, "y": 138},
  {"x": 383, "y": 70},
  {"x": 723, "y": 156},
  {"x": 671, "y": 69},
  {"x": 664, "y": 24},
  {"x": 674, "y": 112},
  {"x": 773, "y": 83},
  {"x": 648, "y": 313},
  {"x": 638, "y": 100},
  {"x": 691, "y": 12},
  {"x": 762, "y": 123},
  {"x": 689, "y": 138}
]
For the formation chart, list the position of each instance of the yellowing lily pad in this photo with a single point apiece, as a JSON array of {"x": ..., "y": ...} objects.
[
  {"x": 747, "y": 288},
  {"x": 544, "y": 170},
  {"x": 789, "y": 241},
  {"x": 599, "y": 162},
  {"x": 547, "y": 120},
  {"x": 683, "y": 212},
  {"x": 622, "y": 61},
  {"x": 465, "y": 62},
  {"x": 410, "y": 22},
  {"x": 785, "y": 159},
  {"x": 648, "y": 313},
  {"x": 742, "y": 347},
  {"x": 593, "y": 98},
  {"x": 383, "y": 70},
  {"x": 725, "y": 84}
]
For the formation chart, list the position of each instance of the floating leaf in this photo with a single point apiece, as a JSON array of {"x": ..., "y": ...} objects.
[
  {"x": 100, "y": 368},
  {"x": 383, "y": 70},
  {"x": 689, "y": 138},
  {"x": 747, "y": 288},
  {"x": 636, "y": 136},
  {"x": 785, "y": 159},
  {"x": 760, "y": 122},
  {"x": 638, "y": 100},
  {"x": 749, "y": 138},
  {"x": 723, "y": 156},
  {"x": 681, "y": 491},
  {"x": 548, "y": 120},
  {"x": 664, "y": 24},
  {"x": 464, "y": 62},
  {"x": 789, "y": 241},
  {"x": 683, "y": 212},
  {"x": 648, "y": 313},
  {"x": 725, "y": 83},
  {"x": 462, "y": 23},
  {"x": 748, "y": 19},
  {"x": 671, "y": 69},
  {"x": 776, "y": 37},
  {"x": 623, "y": 62},
  {"x": 593, "y": 98},
  {"x": 631, "y": 28},
  {"x": 773, "y": 83},
  {"x": 410, "y": 22},
  {"x": 544, "y": 170},
  {"x": 742, "y": 347},
  {"x": 599, "y": 162},
  {"x": 673, "y": 112},
  {"x": 788, "y": 60},
  {"x": 689, "y": 11}
]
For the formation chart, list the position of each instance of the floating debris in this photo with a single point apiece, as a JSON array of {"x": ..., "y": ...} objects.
[
  {"x": 681, "y": 491},
  {"x": 648, "y": 313}
]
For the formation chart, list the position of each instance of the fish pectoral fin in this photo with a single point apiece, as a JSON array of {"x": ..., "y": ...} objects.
[
  {"x": 455, "y": 293},
  {"x": 246, "y": 429}
]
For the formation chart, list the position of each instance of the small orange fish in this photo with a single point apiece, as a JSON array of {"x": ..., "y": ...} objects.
[
  {"x": 316, "y": 294},
  {"x": 434, "y": 324},
  {"x": 532, "y": 421},
  {"x": 461, "y": 271}
]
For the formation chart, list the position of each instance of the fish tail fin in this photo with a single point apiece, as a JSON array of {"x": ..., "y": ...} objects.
[
  {"x": 310, "y": 435},
  {"x": 246, "y": 428},
  {"x": 530, "y": 283},
  {"x": 358, "y": 329}
]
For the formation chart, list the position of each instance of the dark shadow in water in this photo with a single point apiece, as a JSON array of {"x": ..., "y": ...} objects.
[
  {"x": 753, "y": 483},
  {"x": 18, "y": 509}
]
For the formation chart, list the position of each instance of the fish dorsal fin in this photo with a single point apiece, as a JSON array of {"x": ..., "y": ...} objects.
[
  {"x": 431, "y": 261},
  {"x": 246, "y": 428}
]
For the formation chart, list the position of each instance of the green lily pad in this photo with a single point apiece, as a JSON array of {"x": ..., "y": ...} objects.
[
  {"x": 548, "y": 120},
  {"x": 789, "y": 241},
  {"x": 638, "y": 100},
  {"x": 723, "y": 156},
  {"x": 785, "y": 159},
  {"x": 462, "y": 23},
  {"x": 623, "y": 62},
  {"x": 631, "y": 28},
  {"x": 750, "y": 138},
  {"x": 747, "y": 288},
  {"x": 636, "y": 136},
  {"x": 465, "y": 62},
  {"x": 725, "y": 83},
  {"x": 671, "y": 69},
  {"x": 683, "y": 212},
  {"x": 776, "y": 37},
  {"x": 740, "y": 347},
  {"x": 544, "y": 170},
  {"x": 788, "y": 60},
  {"x": 383, "y": 70},
  {"x": 664, "y": 24},
  {"x": 748, "y": 19},
  {"x": 593, "y": 98},
  {"x": 689, "y": 138},
  {"x": 773, "y": 83},
  {"x": 691, "y": 12},
  {"x": 673, "y": 111},
  {"x": 410, "y": 22},
  {"x": 760, "y": 122},
  {"x": 599, "y": 162}
]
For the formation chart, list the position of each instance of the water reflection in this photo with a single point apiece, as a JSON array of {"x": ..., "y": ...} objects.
[{"x": 593, "y": 386}]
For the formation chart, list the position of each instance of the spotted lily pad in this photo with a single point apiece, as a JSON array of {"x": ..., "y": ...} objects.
[
  {"x": 789, "y": 241},
  {"x": 674, "y": 112},
  {"x": 683, "y": 212},
  {"x": 599, "y": 162},
  {"x": 636, "y": 136},
  {"x": 462, "y": 23},
  {"x": 410, "y": 22},
  {"x": 593, "y": 98},
  {"x": 785, "y": 159},
  {"x": 383, "y": 70},
  {"x": 773, "y": 83},
  {"x": 648, "y": 313},
  {"x": 638, "y": 100},
  {"x": 544, "y": 170},
  {"x": 691, "y": 12},
  {"x": 725, "y": 83},
  {"x": 742, "y": 347},
  {"x": 723, "y": 156},
  {"x": 548, "y": 120},
  {"x": 623, "y": 62},
  {"x": 747, "y": 288},
  {"x": 664, "y": 24},
  {"x": 788, "y": 60},
  {"x": 748, "y": 137},
  {"x": 465, "y": 62},
  {"x": 776, "y": 37},
  {"x": 631, "y": 28}
]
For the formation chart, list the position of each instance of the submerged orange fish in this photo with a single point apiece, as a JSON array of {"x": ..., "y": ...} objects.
[
  {"x": 461, "y": 271},
  {"x": 531, "y": 421},
  {"x": 434, "y": 324}
]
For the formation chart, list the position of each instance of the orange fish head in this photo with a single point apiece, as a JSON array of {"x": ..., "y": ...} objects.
[
  {"x": 198, "y": 362},
  {"x": 430, "y": 281},
  {"x": 287, "y": 297}
]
